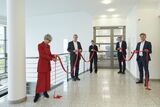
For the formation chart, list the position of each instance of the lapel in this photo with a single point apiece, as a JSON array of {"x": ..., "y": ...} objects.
[
  {"x": 118, "y": 44},
  {"x": 144, "y": 47},
  {"x": 122, "y": 44},
  {"x": 139, "y": 45},
  {"x": 73, "y": 45},
  {"x": 78, "y": 44}
]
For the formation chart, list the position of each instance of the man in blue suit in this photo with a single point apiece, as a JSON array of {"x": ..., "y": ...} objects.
[{"x": 142, "y": 61}]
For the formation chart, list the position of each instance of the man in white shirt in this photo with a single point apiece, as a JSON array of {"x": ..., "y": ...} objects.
[
  {"x": 74, "y": 47},
  {"x": 145, "y": 47}
]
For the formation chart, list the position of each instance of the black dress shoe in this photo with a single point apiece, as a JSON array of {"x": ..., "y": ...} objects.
[
  {"x": 46, "y": 94},
  {"x": 123, "y": 72},
  {"x": 73, "y": 79},
  {"x": 37, "y": 96},
  {"x": 78, "y": 79},
  {"x": 96, "y": 72},
  {"x": 139, "y": 82},
  {"x": 119, "y": 72}
]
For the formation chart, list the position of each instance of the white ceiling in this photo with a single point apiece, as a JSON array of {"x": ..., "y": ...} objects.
[{"x": 93, "y": 7}]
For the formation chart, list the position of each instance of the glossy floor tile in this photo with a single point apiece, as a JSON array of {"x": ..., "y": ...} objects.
[{"x": 105, "y": 89}]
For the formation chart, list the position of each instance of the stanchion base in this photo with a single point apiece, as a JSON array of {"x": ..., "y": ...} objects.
[
  {"x": 148, "y": 89},
  {"x": 57, "y": 97}
]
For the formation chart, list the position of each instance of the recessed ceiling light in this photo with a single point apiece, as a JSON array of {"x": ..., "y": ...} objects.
[
  {"x": 103, "y": 16},
  {"x": 106, "y": 1},
  {"x": 115, "y": 15},
  {"x": 111, "y": 10}
]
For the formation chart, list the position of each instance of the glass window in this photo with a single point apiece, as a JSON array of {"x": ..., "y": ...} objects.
[
  {"x": 103, "y": 32},
  {"x": 118, "y": 31},
  {"x": 103, "y": 40},
  {"x": 104, "y": 47},
  {"x": 2, "y": 49}
]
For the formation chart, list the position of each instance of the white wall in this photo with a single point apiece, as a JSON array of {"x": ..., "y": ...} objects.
[
  {"x": 131, "y": 39},
  {"x": 61, "y": 26},
  {"x": 150, "y": 24},
  {"x": 144, "y": 19},
  {"x": 109, "y": 22}
]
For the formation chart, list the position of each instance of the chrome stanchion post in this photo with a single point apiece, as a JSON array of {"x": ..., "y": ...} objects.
[
  {"x": 84, "y": 65},
  {"x": 67, "y": 68}
]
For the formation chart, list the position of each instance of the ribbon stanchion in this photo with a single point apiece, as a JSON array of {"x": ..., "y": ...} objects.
[
  {"x": 56, "y": 96},
  {"x": 147, "y": 75},
  {"x": 147, "y": 61}
]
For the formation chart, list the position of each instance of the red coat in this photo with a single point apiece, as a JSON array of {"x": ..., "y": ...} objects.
[{"x": 45, "y": 57}]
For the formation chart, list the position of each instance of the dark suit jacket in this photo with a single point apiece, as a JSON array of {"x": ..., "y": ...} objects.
[
  {"x": 147, "y": 45},
  {"x": 71, "y": 48},
  {"x": 124, "y": 47},
  {"x": 95, "y": 48}
]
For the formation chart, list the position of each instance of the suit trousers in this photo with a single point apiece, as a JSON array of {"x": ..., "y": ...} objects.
[
  {"x": 75, "y": 72},
  {"x": 94, "y": 59},
  {"x": 120, "y": 61},
  {"x": 143, "y": 66}
]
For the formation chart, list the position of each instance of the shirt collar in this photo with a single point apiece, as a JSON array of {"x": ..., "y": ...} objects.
[{"x": 143, "y": 41}]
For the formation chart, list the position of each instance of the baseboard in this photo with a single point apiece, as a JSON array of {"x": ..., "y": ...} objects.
[{"x": 18, "y": 101}]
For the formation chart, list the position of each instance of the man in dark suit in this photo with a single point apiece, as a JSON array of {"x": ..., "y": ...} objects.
[
  {"x": 74, "y": 47},
  {"x": 143, "y": 63},
  {"x": 93, "y": 49},
  {"x": 121, "y": 47}
]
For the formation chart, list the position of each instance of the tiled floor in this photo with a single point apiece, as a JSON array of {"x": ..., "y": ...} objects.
[{"x": 105, "y": 89}]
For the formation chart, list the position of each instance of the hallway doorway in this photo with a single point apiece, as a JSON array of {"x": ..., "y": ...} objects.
[{"x": 106, "y": 39}]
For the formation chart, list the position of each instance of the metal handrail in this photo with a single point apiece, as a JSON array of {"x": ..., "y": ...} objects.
[
  {"x": 32, "y": 74},
  {"x": 31, "y": 70},
  {"x": 38, "y": 57}
]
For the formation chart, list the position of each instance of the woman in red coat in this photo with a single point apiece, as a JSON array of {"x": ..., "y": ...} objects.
[{"x": 44, "y": 67}]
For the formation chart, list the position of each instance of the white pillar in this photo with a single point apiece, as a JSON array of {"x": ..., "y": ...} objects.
[{"x": 16, "y": 51}]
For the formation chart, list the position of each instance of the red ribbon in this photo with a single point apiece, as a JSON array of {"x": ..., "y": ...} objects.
[
  {"x": 62, "y": 64},
  {"x": 147, "y": 60},
  {"x": 56, "y": 96},
  {"x": 130, "y": 56},
  {"x": 75, "y": 63},
  {"x": 89, "y": 57}
]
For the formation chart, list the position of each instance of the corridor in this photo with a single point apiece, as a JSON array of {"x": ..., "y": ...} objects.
[{"x": 105, "y": 89}]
